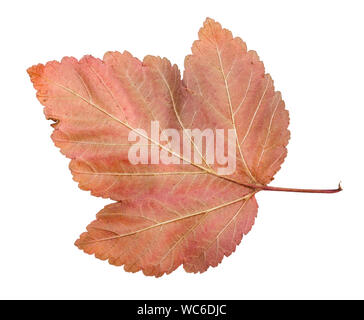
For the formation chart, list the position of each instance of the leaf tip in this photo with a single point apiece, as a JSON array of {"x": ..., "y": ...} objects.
[
  {"x": 209, "y": 20},
  {"x": 35, "y": 72}
]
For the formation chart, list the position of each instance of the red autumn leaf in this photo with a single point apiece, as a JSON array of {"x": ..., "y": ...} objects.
[{"x": 183, "y": 212}]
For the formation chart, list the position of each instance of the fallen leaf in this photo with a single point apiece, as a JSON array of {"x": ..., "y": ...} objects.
[{"x": 166, "y": 215}]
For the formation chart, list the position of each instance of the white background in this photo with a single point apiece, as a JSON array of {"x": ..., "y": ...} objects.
[{"x": 302, "y": 245}]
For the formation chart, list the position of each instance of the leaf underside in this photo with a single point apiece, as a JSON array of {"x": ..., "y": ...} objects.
[{"x": 166, "y": 215}]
